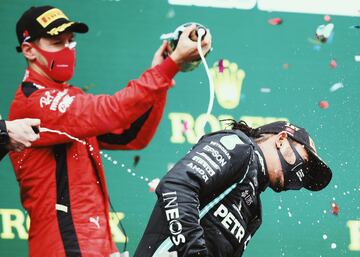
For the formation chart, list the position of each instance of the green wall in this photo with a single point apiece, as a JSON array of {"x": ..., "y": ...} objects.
[{"x": 122, "y": 39}]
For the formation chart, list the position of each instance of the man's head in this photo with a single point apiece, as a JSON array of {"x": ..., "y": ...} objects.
[
  {"x": 291, "y": 158},
  {"x": 45, "y": 38}
]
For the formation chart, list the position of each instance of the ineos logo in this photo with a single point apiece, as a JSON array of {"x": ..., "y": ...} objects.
[
  {"x": 172, "y": 216},
  {"x": 175, "y": 227}
]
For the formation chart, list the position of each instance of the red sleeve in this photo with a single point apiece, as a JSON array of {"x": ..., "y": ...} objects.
[
  {"x": 141, "y": 131},
  {"x": 85, "y": 115}
]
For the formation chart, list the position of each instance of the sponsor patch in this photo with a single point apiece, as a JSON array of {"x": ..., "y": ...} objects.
[
  {"x": 61, "y": 102},
  {"x": 61, "y": 28},
  {"x": 204, "y": 164},
  {"x": 173, "y": 217},
  {"x": 51, "y": 15},
  {"x": 209, "y": 160},
  {"x": 218, "y": 157},
  {"x": 231, "y": 141},
  {"x": 229, "y": 221},
  {"x": 198, "y": 170},
  {"x": 221, "y": 148}
]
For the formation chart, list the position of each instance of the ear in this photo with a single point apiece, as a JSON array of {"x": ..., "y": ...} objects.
[
  {"x": 281, "y": 137},
  {"x": 28, "y": 51}
]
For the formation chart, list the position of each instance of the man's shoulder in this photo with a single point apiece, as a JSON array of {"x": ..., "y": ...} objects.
[
  {"x": 28, "y": 88},
  {"x": 230, "y": 135}
]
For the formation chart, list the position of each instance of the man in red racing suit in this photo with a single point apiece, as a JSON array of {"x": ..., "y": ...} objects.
[{"x": 62, "y": 180}]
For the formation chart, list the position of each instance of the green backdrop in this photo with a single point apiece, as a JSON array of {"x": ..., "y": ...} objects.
[{"x": 287, "y": 74}]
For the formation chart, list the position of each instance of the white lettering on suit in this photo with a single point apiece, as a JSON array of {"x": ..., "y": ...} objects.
[
  {"x": 229, "y": 221},
  {"x": 205, "y": 165},
  {"x": 221, "y": 148},
  {"x": 172, "y": 215},
  {"x": 209, "y": 160},
  {"x": 218, "y": 157},
  {"x": 61, "y": 102},
  {"x": 198, "y": 170}
]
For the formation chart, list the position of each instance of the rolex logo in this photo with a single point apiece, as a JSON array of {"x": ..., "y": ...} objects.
[{"x": 228, "y": 80}]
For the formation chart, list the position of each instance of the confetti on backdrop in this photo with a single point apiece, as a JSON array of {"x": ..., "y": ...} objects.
[
  {"x": 333, "y": 64},
  {"x": 275, "y": 21},
  {"x": 324, "y": 104},
  {"x": 336, "y": 86},
  {"x": 323, "y": 32},
  {"x": 265, "y": 90},
  {"x": 221, "y": 66},
  {"x": 153, "y": 184},
  {"x": 357, "y": 58},
  {"x": 317, "y": 48},
  {"x": 335, "y": 208},
  {"x": 327, "y": 18},
  {"x": 285, "y": 66},
  {"x": 170, "y": 14},
  {"x": 186, "y": 126},
  {"x": 136, "y": 160}
]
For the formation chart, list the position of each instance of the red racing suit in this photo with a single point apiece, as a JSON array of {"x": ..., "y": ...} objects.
[{"x": 62, "y": 181}]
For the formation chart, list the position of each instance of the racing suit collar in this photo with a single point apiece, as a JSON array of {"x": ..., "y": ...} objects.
[
  {"x": 33, "y": 76},
  {"x": 263, "y": 175}
]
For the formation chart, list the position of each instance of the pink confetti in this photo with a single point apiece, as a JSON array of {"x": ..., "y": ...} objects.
[
  {"x": 275, "y": 21},
  {"x": 221, "y": 66},
  {"x": 286, "y": 66},
  {"x": 186, "y": 126},
  {"x": 153, "y": 184},
  {"x": 333, "y": 63},
  {"x": 335, "y": 208},
  {"x": 327, "y": 18},
  {"x": 324, "y": 104}
]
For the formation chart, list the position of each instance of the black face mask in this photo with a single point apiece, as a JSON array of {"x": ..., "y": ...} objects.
[{"x": 294, "y": 174}]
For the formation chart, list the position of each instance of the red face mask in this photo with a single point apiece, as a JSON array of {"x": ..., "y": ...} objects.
[{"x": 61, "y": 64}]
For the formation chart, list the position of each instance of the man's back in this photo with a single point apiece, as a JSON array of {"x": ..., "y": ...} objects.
[{"x": 209, "y": 202}]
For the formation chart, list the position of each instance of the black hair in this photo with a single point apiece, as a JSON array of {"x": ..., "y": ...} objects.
[
  {"x": 244, "y": 127},
  {"x": 247, "y": 130}
]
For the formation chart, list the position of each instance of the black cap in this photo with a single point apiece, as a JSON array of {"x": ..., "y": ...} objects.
[
  {"x": 320, "y": 174},
  {"x": 45, "y": 21}
]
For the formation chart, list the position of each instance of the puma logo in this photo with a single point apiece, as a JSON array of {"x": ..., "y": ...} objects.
[{"x": 95, "y": 221}]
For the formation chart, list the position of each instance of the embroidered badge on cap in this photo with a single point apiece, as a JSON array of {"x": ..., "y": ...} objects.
[{"x": 48, "y": 17}]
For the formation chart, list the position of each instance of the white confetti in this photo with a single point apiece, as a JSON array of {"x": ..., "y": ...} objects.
[
  {"x": 357, "y": 58},
  {"x": 336, "y": 86},
  {"x": 170, "y": 14},
  {"x": 324, "y": 31},
  {"x": 333, "y": 246},
  {"x": 265, "y": 90}
]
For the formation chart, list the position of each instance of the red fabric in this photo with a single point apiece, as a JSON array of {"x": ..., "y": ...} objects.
[{"x": 66, "y": 108}]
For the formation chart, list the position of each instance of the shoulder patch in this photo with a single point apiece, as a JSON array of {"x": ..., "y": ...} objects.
[
  {"x": 231, "y": 141},
  {"x": 28, "y": 88}
]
